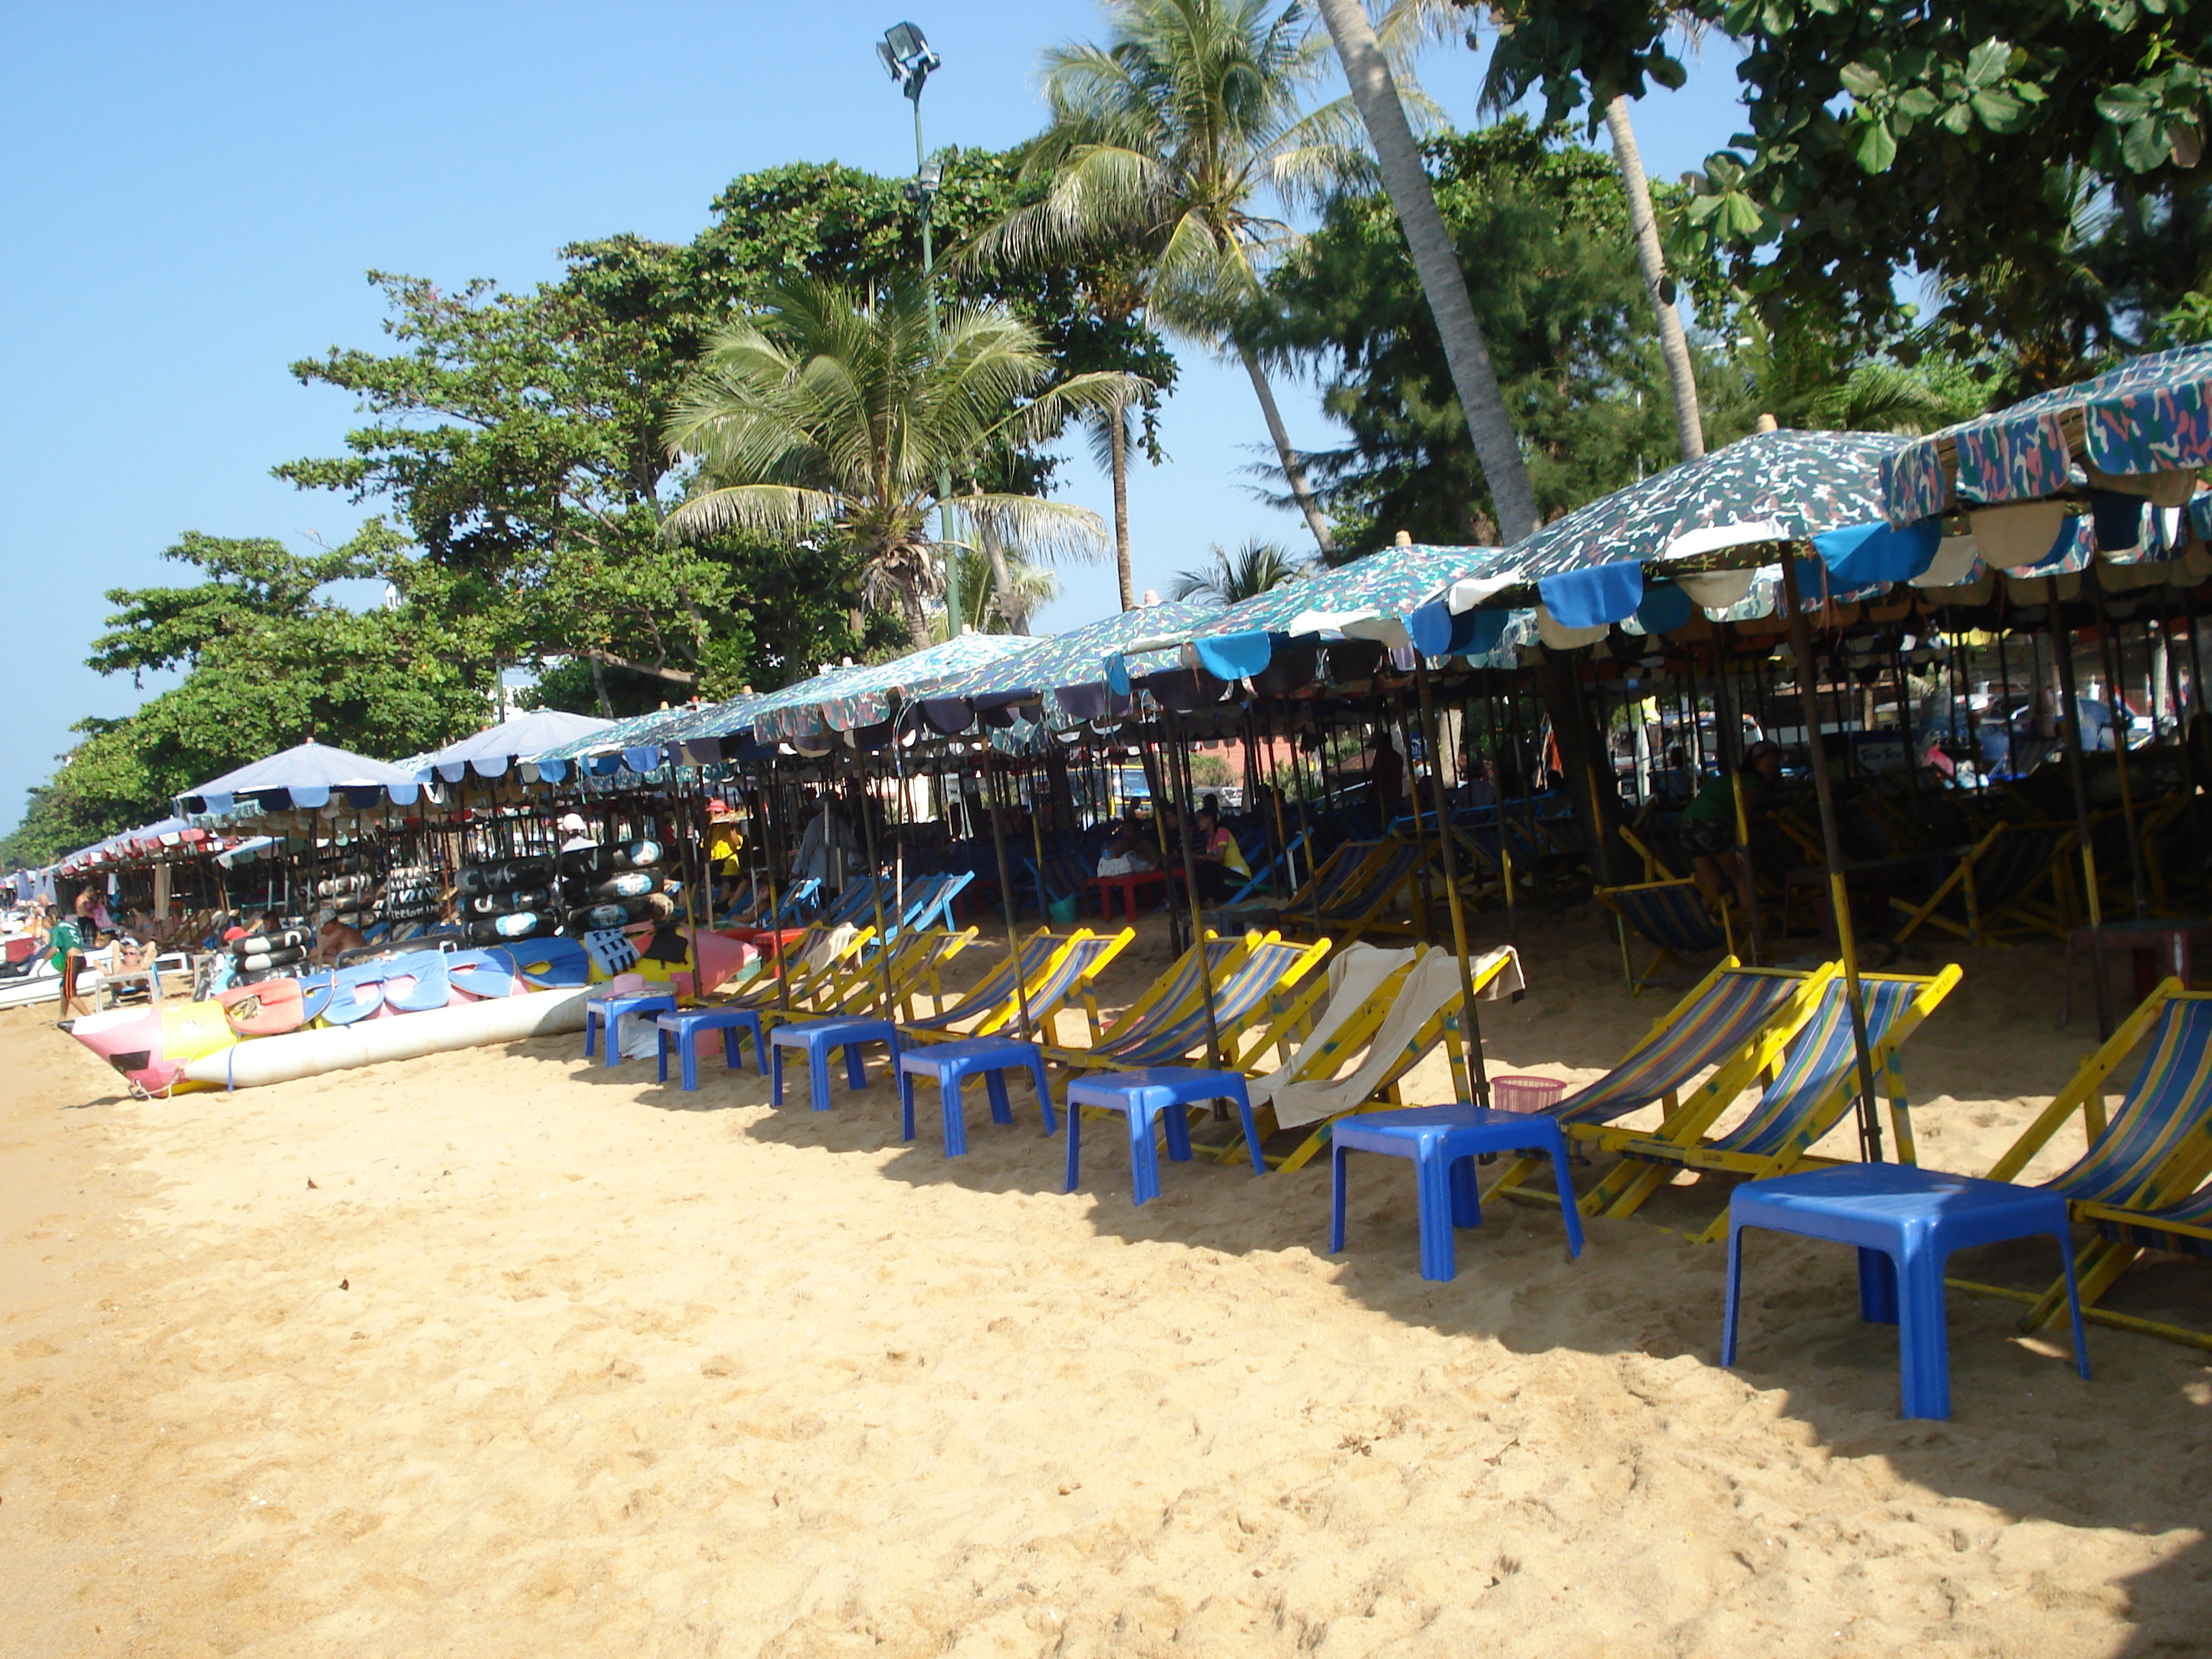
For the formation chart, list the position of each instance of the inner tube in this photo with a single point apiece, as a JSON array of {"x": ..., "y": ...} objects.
[
  {"x": 522, "y": 924},
  {"x": 619, "y": 913},
  {"x": 605, "y": 861},
  {"x": 259, "y": 960},
  {"x": 262, "y": 944},
  {"x": 628, "y": 885}
]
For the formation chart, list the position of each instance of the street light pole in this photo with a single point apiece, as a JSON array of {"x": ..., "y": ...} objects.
[{"x": 907, "y": 56}]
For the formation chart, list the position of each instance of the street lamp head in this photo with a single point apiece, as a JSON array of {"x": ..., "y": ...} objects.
[{"x": 906, "y": 57}]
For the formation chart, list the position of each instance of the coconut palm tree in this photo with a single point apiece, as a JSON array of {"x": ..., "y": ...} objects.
[
  {"x": 1253, "y": 568},
  {"x": 1375, "y": 90},
  {"x": 1168, "y": 139},
  {"x": 823, "y": 409}
]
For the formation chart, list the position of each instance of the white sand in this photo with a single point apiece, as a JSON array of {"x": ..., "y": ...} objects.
[{"x": 499, "y": 1353}]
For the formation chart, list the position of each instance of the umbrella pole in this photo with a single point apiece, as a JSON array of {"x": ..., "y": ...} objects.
[
  {"x": 1801, "y": 646},
  {"x": 2069, "y": 727},
  {"x": 1213, "y": 1054},
  {"x": 1495, "y": 734},
  {"x": 1037, "y": 847},
  {"x": 1006, "y": 892},
  {"x": 2182, "y": 743},
  {"x": 1414, "y": 799},
  {"x": 1275, "y": 797},
  {"x": 875, "y": 884},
  {"x": 771, "y": 813},
  {"x": 1471, "y": 1030},
  {"x": 2116, "y": 700},
  {"x": 1727, "y": 737},
  {"x": 1151, "y": 763}
]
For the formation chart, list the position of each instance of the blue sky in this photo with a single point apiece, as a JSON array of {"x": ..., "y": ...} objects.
[{"x": 192, "y": 195}]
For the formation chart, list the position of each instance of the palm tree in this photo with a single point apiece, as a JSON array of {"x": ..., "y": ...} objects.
[
  {"x": 1255, "y": 568},
  {"x": 1164, "y": 140},
  {"x": 1442, "y": 283},
  {"x": 987, "y": 608},
  {"x": 825, "y": 410}
]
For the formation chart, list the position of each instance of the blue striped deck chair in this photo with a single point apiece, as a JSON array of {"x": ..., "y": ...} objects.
[
  {"x": 1263, "y": 875},
  {"x": 929, "y": 900},
  {"x": 1360, "y": 901},
  {"x": 1247, "y": 974},
  {"x": 792, "y": 904},
  {"x": 856, "y": 904},
  {"x": 1674, "y": 917},
  {"x": 1811, "y": 1091},
  {"x": 803, "y": 984},
  {"x": 1076, "y": 976},
  {"x": 1064, "y": 969},
  {"x": 916, "y": 959},
  {"x": 978, "y": 1006},
  {"x": 749, "y": 897},
  {"x": 2137, "y": 1181},
  {"x": 1328, "y": 880},
  {"x": 1733, "y": 1024}
]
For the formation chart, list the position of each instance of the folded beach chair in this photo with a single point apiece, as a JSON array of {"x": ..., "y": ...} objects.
[
  {"x": 1674, "y": 917},
  {"x": 1167, "y": 1025},
  {"x": 2140, "y": 1179},
  {"x": 1735, "y": 1023},
  {"x": 1385, "y": 1010},
  {"x": 1057, "y": 969},
  {"x": 1812, "y": 1090}
]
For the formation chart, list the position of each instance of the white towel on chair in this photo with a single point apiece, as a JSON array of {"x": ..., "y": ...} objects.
[
  {"x": 1355, "y": 974},
  {"x": 1432, "y": 986}
]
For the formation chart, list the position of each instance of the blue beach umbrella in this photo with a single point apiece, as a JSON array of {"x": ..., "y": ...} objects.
[{"x": 307, "y": 776}]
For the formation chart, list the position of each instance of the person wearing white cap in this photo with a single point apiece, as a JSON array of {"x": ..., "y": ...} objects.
[{"x": 578, "y": 832}]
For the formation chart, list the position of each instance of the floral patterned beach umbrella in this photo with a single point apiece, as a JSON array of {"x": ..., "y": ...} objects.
[
  {"x": 638, "y": 744},
  {"x": 1703, "y": 526},
  {"x": 845, "y": 699},
  {"x": 2142, "y": 429},
  {"x": 1051, "y": 679}
]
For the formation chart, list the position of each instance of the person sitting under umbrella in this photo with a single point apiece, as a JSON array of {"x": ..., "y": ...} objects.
[{"x": 1707, "y": 829}]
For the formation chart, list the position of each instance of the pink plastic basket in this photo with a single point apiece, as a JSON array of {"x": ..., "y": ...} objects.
[{"x": 1525, "y": 1094}]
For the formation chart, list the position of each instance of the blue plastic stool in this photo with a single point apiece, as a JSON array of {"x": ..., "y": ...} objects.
[
  {"x": 1159, "y": 1093},
  {"x": 685, "y": 1026},
  {"x": 1906, "y": 1222},
  {"x": 1444, "y": 1142},
  {"x": 822, "y": 1038},
  {"x": 951, "y": 1063},
  {"x": 610, "y": 1012}
]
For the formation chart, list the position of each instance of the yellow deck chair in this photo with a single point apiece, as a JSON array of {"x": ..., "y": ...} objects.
[
  {"x": 1813, "y": 1087},
  {"x": 1735, "y": 1024},
  {"x": 1324, "y": 1055},
  {"x": 2140, "y": 1178}
]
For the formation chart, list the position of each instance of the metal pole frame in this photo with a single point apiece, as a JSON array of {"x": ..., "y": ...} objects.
[{"x": 1801, "y": 646}]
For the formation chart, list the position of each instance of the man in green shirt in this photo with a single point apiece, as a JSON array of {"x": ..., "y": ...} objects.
[{"x": 1707, "y": 830}]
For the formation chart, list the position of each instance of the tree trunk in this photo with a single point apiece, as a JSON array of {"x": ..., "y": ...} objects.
[
  {"x": 1117, "y": 440},
  {"x": 599, "y": 687},
  {"x": 1496, "y": 447},
  {"x": 917, "y": 616},
  {"x": 1672, "y": 347},
  {"x": 1294, "y": 471},
  {"x": 1585, "y": 765},
  {"x": 1010, "y": 603}
]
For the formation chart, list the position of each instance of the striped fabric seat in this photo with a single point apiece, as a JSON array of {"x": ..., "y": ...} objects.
[
  {"x": 995, "y": 990},
  {"x": 1733, "y": 1025},
  {"x": 1074, "y": 975},
  {"x": 2142, "y": 1168},
  {"x": 1717, "y": 1022},
  {"x": 1812, "y": 1088},
  {"x": 1176, "y": 1025},
  {"x": 1672, "y": 917}
]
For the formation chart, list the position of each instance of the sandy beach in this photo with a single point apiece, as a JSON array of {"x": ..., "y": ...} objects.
[{"x": 504, "y": 1353}]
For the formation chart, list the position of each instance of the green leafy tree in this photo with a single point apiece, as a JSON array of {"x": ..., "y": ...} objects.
[
  {"x": 268, "y": 660},
  {"x": 834, "y": 413},
  {"x": 1888, "y": 135},
  {"x": 1563, "y": 306}
]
